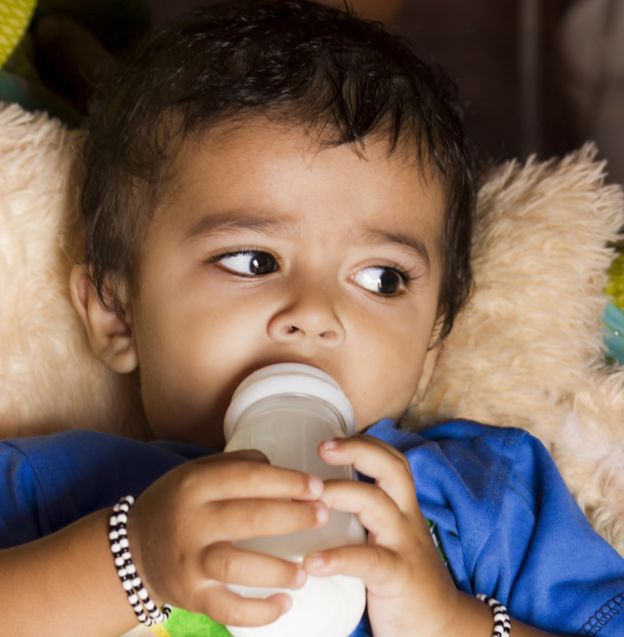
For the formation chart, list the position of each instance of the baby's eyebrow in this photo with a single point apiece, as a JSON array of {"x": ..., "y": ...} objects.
[
  {"x": 401, "y": 238},
  {"x": 233, "y": 220}
]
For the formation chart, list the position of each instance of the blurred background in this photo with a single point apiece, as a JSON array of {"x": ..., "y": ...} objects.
[
  {"x": 534, "y": 76},
  {"x": 502, "y": 54}
]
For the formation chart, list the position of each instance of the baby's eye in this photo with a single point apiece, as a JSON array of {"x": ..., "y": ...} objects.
[
  {"x": 381, "y": 280},
  {"x": 248, "y": 263}
]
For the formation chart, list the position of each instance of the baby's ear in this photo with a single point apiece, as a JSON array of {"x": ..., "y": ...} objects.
[{"x": 110, "y": 335}]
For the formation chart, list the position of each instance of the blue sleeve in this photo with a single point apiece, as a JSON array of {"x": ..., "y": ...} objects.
[
  {"x": 47, "y": 482},
  {"x": 21, "y": 514},
  {"x": 511, "y": 529}
]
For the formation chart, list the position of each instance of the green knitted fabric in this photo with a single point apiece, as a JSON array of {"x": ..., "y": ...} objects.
[{"x": 185, "y": 624}]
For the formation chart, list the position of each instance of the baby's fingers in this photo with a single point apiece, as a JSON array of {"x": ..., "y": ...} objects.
[
  {"x": 376, "y": 511},
  {"x": 227, "y": 563},
  {"x": 229, "y": 477},
  {"x": 232, "y": 520},
  {"x": 376, "y": 565},
  {"x": 388, "y": 467},
  {"x": 228, "y": 607}
]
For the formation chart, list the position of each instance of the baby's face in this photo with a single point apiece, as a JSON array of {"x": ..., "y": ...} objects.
[{"x": 269, "y": 249}]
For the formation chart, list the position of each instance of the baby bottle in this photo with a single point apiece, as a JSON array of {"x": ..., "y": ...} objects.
[{"x": 285, "y": 411}]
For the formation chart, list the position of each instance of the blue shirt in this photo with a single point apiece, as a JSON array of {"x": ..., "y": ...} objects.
[{"x": 505, "y": 519}]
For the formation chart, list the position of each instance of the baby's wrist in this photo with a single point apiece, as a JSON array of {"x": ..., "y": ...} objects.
[
  {"x": 147, "y": 611},
  {"x": 472, "y": 618}
]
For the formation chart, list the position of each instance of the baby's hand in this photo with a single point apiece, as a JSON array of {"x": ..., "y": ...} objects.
[
  {"x": 409, "y": 590},
  {"x": 182, "y": 529}
]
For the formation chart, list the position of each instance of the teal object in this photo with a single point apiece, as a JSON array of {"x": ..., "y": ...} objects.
[
  {"x": 32, "y": 97},
  {"x": 614, "y": 332}
]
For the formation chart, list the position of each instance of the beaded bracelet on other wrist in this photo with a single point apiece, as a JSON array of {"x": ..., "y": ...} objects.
[
  {"x": 502, "y": 621},
  {"x": 144, "y": 608}
]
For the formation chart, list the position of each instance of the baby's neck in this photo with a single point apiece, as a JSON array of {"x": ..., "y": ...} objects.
[{"x": 127, "y": 414}]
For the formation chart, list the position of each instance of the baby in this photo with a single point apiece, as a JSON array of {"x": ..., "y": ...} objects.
[{"x": 277, "y": 181}]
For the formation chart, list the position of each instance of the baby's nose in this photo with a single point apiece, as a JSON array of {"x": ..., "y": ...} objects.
[{"x": 307, "y": 319}]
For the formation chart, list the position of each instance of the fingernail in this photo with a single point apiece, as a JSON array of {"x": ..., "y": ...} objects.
[
  {"x": 300, "y": 578},
  {"x": 322, "y": 514},
  {"x": 317, "y": 562},
  {"x": 287, "y": 603},
  {"x": 315, "y": 486},
  {"x": 330, "y": 445}
]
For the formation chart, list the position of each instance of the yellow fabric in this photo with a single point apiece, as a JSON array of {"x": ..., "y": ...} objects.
[
  {"x": 14, "y": 18},
  {"x": 615, "y": 287}
]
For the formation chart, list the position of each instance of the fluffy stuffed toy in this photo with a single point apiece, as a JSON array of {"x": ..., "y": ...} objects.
[
  {"x": 527, "y": 350},
  {"x": 48, "y": 378}
]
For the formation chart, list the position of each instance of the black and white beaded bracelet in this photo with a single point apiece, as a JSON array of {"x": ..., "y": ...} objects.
[
  {"x": 143, "y": 606},
  {"x": 502, "y": 621}
]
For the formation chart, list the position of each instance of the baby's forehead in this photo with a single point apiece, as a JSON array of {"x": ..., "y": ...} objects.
[{"x": 236, "y": 145}]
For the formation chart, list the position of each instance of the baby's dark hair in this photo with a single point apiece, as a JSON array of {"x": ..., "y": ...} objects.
[{"x": 296, "y": 62}]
